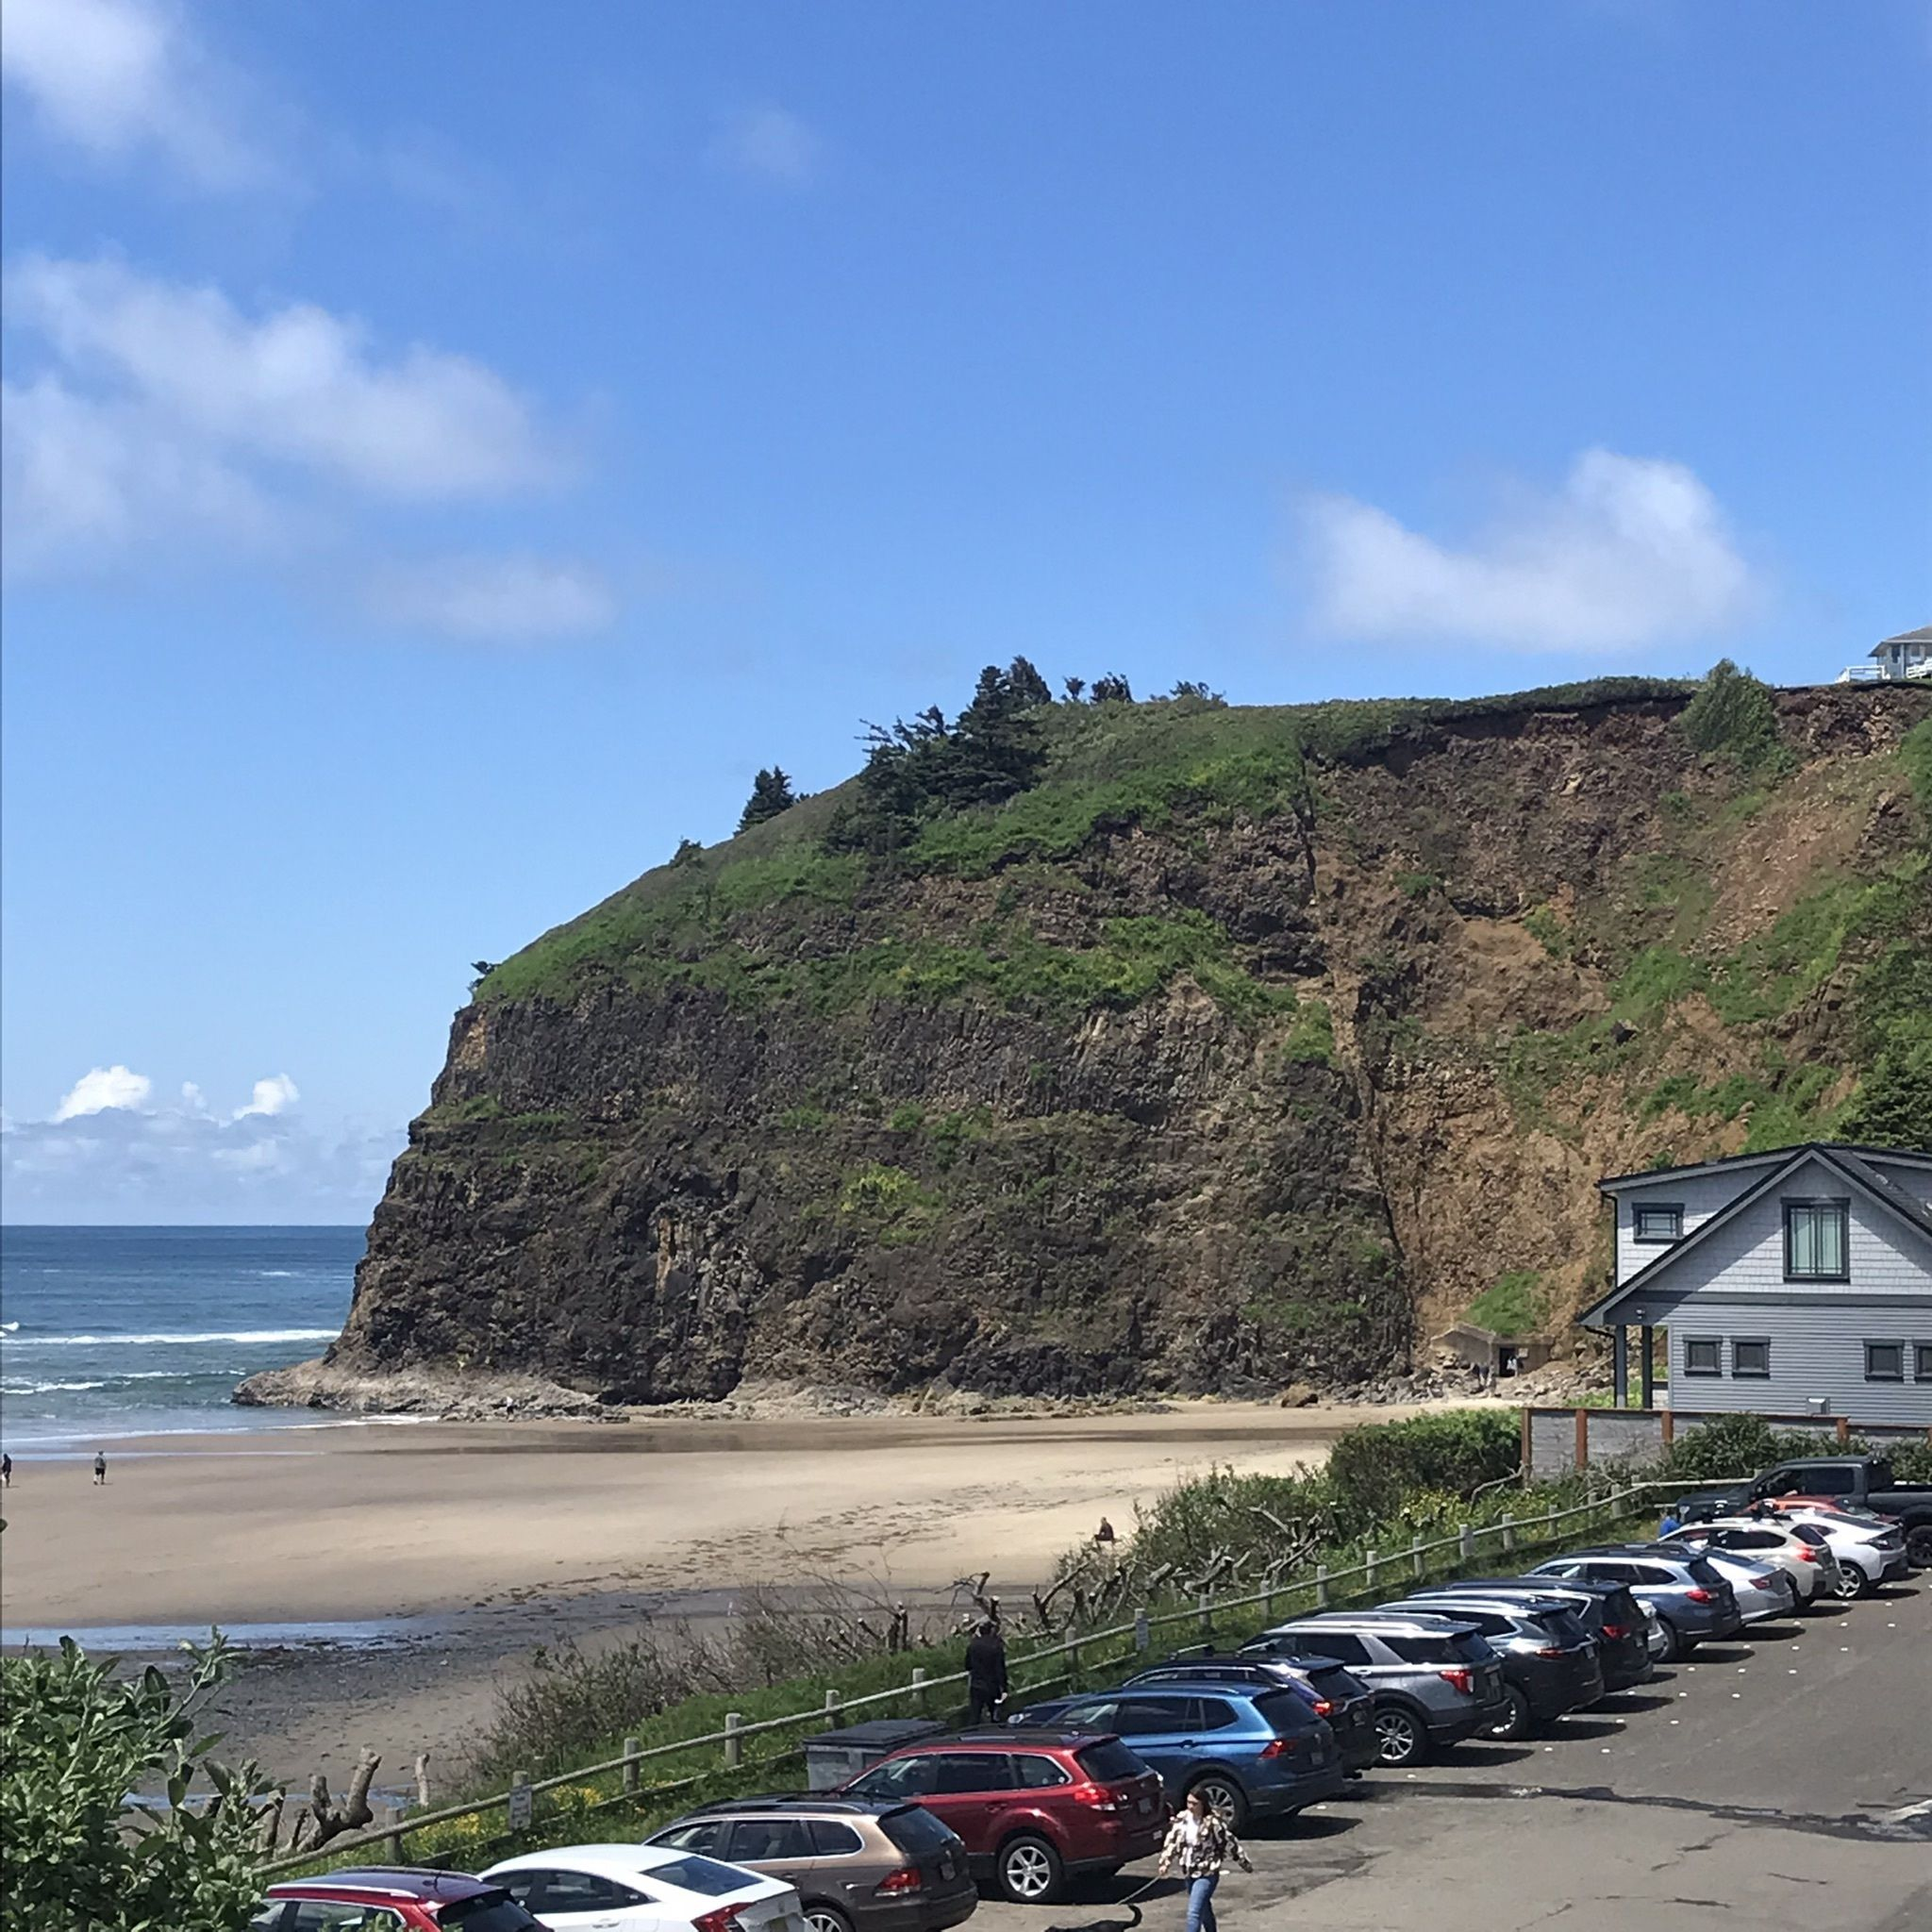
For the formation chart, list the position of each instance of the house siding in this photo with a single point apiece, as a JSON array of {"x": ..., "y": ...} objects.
[{"x": 1733, "y": 1285}]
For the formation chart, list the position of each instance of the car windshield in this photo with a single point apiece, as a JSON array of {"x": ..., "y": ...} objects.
[
  {"x": 1110, "y": 1761},
  {"x": 703, "y": 1875},
  {"x": 489, "y": 1911},
  {"x": 915, "y": 1829}
]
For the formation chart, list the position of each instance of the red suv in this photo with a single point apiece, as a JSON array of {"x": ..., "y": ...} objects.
[
  {"x": 1033, "y": 1807},
  {"x": 397, "y": 1899}
]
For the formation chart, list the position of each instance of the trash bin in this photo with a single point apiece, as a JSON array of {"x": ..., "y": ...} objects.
[{"x": 833, "y": 1757}]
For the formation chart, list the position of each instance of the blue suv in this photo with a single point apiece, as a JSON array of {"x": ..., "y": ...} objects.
[{"x": 1250, "y": 1751}]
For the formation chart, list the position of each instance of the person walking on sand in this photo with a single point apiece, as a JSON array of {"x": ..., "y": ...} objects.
[
  {"x": 1199, "y": 1845},
  {"x": 6, "y": 1471},
  {"x": 100, "y": 1469},
  {"x": 986, "y": 1675}
]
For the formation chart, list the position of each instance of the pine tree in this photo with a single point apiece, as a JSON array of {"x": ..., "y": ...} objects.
[
  {"x": 771, "y": 793},
  {"x": 1029, "y": 688},
  {"x": 1112, "y": 689}
]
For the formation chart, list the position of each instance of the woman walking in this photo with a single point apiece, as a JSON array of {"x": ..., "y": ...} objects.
[{"x": 1198, "y": 1843}]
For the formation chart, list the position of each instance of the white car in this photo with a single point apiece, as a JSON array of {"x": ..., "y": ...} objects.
[
  {"x": 1811, "y": 1567},
  {"x": 645, "y": 1889},
  {"x": 1869, "y": 1550}
]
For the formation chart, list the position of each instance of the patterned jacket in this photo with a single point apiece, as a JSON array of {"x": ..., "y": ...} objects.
[{"x": 1215, "y": 1846}]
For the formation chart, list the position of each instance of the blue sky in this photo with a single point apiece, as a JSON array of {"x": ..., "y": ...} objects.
[{"x": 450, "y": 447}]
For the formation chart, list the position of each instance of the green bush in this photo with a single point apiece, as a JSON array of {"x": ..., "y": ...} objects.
[
  {"x": 1514, "y": 1304},
  {"x": 1735, "y": 715},
  {"x": 75, "y": 1741},
  {"x": 1373, "y": 1469},
  {"x": 1734, "y": 1445}
]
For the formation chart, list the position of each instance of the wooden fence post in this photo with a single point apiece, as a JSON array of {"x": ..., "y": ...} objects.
[
  {"x": 1415, "y": 1557},
  {"x": 919, "y": 1692},
  {"x": 1844, "y": 1429},
  {"x": 1322, "y": 1586},
  {"x": 1669, "y": 1418},
  {"x": 1206, "y": 1614},
  {"x": 734, "y": 1745},
  {"x": 832, "y": 1703},
  {"x": 1583, "y": 1438},
  {"x": 628, "y": 1775},
  {"x": 1369, "y": 1560},
  {"x": 519, "y": 1805},
  {"x": 1466, "y": 1545},
  {"x": 1550, "y": 1524},
  {"x": 395, "y": 1837},
  {"x": 1143, "y": 1630},
  {"x": 423, "y": 1780},
  {"x": 1507, "y": 1526}
]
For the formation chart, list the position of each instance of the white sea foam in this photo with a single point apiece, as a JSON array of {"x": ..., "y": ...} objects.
[{"x": 245, "y": 1336}]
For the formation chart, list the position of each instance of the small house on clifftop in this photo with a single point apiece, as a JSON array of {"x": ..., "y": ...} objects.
[{"x": 1792, "y": 1283}]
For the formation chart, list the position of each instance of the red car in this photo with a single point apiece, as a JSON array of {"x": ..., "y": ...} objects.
[
  {"x": 1033, "y": 1807},
  {"x": 398, "y": 1899}
]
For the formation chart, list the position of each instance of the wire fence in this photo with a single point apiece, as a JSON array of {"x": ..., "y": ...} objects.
[{"x": 1041, "y": 1669}]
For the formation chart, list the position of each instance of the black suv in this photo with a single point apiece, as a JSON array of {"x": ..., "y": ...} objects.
[{"x": 1607, "y": 1610}]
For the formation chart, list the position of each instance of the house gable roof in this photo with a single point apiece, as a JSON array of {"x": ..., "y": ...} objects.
[
  {"x": 1922, "y": 636},
  {"x": 1850, "y": 1164},
  {"x": 1910, "y": 1157}
]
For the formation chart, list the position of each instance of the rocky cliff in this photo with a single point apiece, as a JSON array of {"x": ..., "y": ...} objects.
[{"x": 1244, "y": 1046}]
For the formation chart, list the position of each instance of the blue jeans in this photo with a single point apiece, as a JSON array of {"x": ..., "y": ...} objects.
[{"x": 1201, "y": 1904}]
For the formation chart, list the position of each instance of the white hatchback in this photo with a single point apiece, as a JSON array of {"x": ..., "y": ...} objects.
[
  {"x": 1810, "y": 1566},
  {"x": 645, "y": 1889}
]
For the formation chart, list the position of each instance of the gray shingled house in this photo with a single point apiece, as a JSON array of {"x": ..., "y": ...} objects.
[{"x": 1794, "y": 1283}]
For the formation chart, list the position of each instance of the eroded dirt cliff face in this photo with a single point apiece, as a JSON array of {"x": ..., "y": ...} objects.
[{"x": 1262, "y": 1082}]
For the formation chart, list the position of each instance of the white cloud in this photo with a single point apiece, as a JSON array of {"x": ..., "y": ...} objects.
[
  {"x": 101, "y": 1089},
  {"x": 1629, "y": 551},
  {"x": 768, "y": 144},
  {"x": 164, "y": 412},
  {"x": 106, "y": 1155},
  {"x": 270, "y": 1097},
  {"x": 124, "y": 80},
  {"x": 494, "y": 599}
]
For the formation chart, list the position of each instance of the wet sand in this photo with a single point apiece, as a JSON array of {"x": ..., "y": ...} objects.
[{"x": 491, "y": 1539}]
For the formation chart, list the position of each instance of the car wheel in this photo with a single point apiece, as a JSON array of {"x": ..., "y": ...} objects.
[
  {"x": 1402, "y": 1737},
  {"x": 820, "y": 1917},
  {"x": 1919, "y": 1546},
  {"x": 1029, "y": 1872},
  {"x": 1674, "y": 1645},
  {"x": 1222, "y": 1797},
  {"x": 1851, "y": 1582},
  {"x": 1518, "y": 1720}
]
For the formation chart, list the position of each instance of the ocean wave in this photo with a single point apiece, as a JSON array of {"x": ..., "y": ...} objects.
[
  {"x": 275, "y": 1273},
  {"x": 47, "y": 1388},
  {"x": 247, "y": 1336},
  {"x": 9, "y": 1327}
]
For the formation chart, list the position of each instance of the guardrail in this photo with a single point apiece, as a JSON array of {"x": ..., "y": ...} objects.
[{"x": 1407, "y": 1563}]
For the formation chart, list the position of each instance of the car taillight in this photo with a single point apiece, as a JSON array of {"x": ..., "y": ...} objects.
[
  {"x": 1552, "y": 1650},
  {"x": 723, "y": 1920},
  {"x": 1808, "y": 1553},
  {"x": 1281, "y": 1747},
  {"x": 895, "y": 1884},
  {"x": 1698, "y": 1595},
  {"x": 1616, "y": 1632},
  {"x": 1324, "y": 1707},
  {"x": 1458, "y": 1679}
]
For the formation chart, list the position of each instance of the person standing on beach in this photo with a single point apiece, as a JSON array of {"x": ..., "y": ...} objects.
[
  {"x": 6, "y": 1471},
  {"x": 986, "y": 1675},
  {"x": 100, "y": 1469},
  {"x": 1200, "y": 1844}
]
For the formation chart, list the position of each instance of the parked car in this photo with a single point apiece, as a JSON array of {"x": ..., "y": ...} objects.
[
  {"x": 1764, "y": 1592},
  {"x": 645, "y": 1889},
  {"x": 1864, "y": 1482},
  {"x": 1549, "y": 1660},
  {"x": 1805, "y": 1556},
  {"x": 1435, "y": 1681},
  {"x": 1328, "y": 1687},
  {"x": 1693, "y": 1600},
  {"x": 1033, "y": 1807},
  {"x": 391, "y": 1899},
  {"x": 1870, "y": 1549},
  {"x": 856, "y": 1866},
  {"x": 1607, "y": 1610},
  {"x": 1251, "y": 1751}
]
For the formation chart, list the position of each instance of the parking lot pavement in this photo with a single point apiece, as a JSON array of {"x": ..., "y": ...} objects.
[{"x": 1780, "y": 1781}]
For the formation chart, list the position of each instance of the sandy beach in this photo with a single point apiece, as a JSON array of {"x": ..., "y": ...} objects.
[{"x": 491, "y": 1539}]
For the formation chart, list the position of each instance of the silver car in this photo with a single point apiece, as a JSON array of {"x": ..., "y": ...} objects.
[
  {"x": 1763, "y": 1591},
  {"x": 1435, "y": 1681}
]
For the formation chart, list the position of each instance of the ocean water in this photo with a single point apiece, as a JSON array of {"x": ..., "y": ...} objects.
[{"x": 110, "y": 1332}]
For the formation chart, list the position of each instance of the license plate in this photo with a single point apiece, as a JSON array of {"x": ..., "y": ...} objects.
[
  {"x": 1146, "y": 1805},
  {"x": 946, "y": 1866}
]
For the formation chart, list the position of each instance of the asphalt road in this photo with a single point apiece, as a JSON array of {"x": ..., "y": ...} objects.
[{"x": 1780, "y": 1781}]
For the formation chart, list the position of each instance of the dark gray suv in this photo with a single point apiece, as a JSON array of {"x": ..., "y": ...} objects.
[{"x": 1549, "y": 1665}]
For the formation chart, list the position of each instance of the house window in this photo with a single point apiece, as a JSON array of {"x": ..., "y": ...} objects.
[
  {"x": 1922, "y": 1361},
  {"x": 1815, "y": 1240},
  {"x": 1884, "y": 1362},
  {"x": 1750, "y": 1355},
  {"x": 1703, "y": 1355},
  {"x": 1656, "y": 1220}
]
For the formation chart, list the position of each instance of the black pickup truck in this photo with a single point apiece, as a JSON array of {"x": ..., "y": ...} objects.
[{"x": 1857, "y": 1482}]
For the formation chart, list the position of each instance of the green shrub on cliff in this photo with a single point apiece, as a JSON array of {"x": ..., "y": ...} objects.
[
  {"x": 1734, "y": 714},
  {"x": 75, "y": 1741}
]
